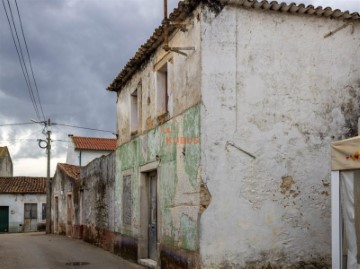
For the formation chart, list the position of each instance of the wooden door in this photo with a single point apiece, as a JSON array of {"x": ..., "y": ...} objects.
[{"x": 153, "y": 216}]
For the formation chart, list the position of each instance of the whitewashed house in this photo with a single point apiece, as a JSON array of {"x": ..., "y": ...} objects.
[
  {"x": 22, "y": 204},
  {"x": 82, "y": 150},
  {"x": 6, "y": 165},
  {"x": 222, "y": 158}
]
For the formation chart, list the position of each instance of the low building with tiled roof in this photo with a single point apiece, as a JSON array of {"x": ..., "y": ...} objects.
[
  {"x": 22, "y": 204},
  {"x": 6, "y": 165},
  {"x": 224, "y": 119},
  {"x": 82, "y": 150},
  {"x": 65, "y": 193}
]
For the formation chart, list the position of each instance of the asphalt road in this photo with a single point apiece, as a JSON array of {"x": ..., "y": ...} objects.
[{"x": 41, "y": 251}]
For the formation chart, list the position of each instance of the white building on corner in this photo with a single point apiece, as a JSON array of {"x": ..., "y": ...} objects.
[{"x": 82, "y": 150}]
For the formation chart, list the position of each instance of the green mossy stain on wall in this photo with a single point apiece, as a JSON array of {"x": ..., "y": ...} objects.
[
  {"x": 188, "y": 233},
  {"x": 161, "y": 144},
  {"x": 191, "y": 130}
]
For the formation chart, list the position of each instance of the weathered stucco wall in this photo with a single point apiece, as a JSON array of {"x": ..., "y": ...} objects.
[
  {"x": 64, "y": 187},
  {"x": 272, "y": 86},
  {"x": 98, "y": 186},
  {"x": 6, "y": 165},
  {"x": 169, "y": 143},
  {"x": 16, "y": 202},
  {"x": 183, "y": 87},
  {"x": 176, "y": 147}
]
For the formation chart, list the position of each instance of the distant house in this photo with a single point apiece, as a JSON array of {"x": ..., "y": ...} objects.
[
  {"x": 6, "y": 165},
  {"x": 65, "y": 191},
  {"x": 22, "y": 204},
  {"x": 82, "y": 150}
]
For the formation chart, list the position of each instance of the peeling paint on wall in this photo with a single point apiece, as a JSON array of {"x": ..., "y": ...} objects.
[{"x": 177, "y": 174}]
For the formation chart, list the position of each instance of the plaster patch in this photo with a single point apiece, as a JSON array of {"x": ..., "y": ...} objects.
[{"x": 286, "y": 184}]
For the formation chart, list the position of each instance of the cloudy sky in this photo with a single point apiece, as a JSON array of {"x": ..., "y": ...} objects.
[{"x": 77, "y": 48}]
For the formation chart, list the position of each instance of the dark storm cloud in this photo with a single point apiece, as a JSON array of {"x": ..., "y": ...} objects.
[{"x": 77, "y": 49}]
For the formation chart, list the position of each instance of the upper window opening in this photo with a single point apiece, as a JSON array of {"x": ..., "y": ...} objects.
[
  {"x": 162, "y": 90},
  {"x": 134, "y": 113}
]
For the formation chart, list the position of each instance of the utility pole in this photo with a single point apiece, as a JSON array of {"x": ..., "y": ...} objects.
[
  {"x": 48, "y": 181},
  {"x": 46, "y": 144}
]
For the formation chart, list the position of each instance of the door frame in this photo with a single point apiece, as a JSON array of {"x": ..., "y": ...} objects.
[
  {"x": 56, "y": 215},
  {"x": 144, "y": 193}
]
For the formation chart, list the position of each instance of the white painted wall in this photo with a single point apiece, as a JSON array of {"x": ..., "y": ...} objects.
[
  {"x": 275, "y": 87},
  {"x": 73, "y": 155},
  {"x": 16, "y": 202}
]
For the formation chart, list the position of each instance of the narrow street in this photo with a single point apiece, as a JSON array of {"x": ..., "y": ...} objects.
[{"x": 37, "y": 250}]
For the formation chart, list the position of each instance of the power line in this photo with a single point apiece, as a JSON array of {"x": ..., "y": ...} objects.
[
  {"x": 21, "y": 57},
  {"x": 57, "y": 124},
  {"x": 16, "y": 124},
  {"x": 11, "y": 140},
  {"x": 23, "y": 61},
  {"x": 31, "y": 68},
  {"x": 86, "y": 128}
]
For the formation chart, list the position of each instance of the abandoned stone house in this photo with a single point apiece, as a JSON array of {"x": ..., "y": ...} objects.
[
  {"x": 22, "y": 204},
  {"x": 83, "y": 201},
  {"x": 222, "y": 159},
  {"x": 6, "y": 165},
  {"x": 65, "y": 190}
]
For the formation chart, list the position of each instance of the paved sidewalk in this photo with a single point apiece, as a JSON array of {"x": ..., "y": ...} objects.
[{"x": 38, "y": 250}]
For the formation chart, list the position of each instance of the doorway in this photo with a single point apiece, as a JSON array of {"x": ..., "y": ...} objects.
[
  {"x": 70, "y": 214},
  {"x": 4, "y": 219},
  {"x": 152, "y": 205},
  {"x": 30, "y": 217},
  {"x": 56, "y": 221},
  {"x": 149, "y": 220}
]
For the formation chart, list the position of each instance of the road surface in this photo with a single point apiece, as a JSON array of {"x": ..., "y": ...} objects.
[{"x": 41, "y": 251}]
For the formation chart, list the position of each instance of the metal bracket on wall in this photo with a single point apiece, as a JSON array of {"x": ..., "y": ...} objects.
[
  {"x": 340, "y": 28},
  {"x": 243, "y": 151},
  {"x": 166, "y": 24},
  {"x": 179, "y": 49}
]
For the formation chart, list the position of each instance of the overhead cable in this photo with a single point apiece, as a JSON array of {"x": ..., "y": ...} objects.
[
  {"x": 86, "y": 128},
  {"x": 16, "y": 124},
  {"x": 20, "y": 56},
  {"x": 29, "y": 58}
]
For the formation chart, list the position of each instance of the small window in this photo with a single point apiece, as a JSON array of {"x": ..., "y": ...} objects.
[
  {"x": 162, "y": 90},
  {"x": 43, "y": 211},
  {"x": 127, "y": 200},
  {"x": 30, "y": 211},
  {"x": 134, "y": 113}
]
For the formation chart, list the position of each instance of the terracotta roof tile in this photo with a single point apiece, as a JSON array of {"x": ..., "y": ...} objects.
[
  {"x": 72, "y": 171},
  {"x": 94, "y": 143},
  {"x": 185, "y": 8},
  {"x": 22, "y": 185}
]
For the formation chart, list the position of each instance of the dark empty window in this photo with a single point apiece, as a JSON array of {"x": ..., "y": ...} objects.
[
  {"x": 43, "y": 212},
  {"x": 162, "y": 91}
]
